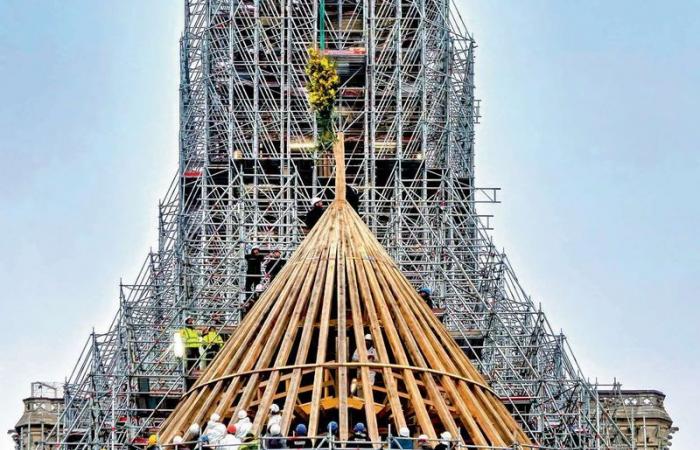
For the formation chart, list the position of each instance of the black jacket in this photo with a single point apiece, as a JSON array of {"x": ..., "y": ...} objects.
[
  {"x": 313, "y": 216},
  {"x": 254, "y": 264}
]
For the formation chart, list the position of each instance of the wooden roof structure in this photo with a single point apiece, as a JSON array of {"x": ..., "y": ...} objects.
[{"x": 295, "y": 345}]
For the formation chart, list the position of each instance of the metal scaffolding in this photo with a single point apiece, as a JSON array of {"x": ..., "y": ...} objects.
[{"x": 248, "y": 169}]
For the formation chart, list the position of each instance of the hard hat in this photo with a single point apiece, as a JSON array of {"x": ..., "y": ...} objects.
[
  {"x": 368, "y": 337},
  {"x": 177, "y": 440},
  {"x": 404, "y": 432},
  {"x": 359, "y": 427},
  {"x": 152, "y": 439},
  {"x": 275, "y": 429},
  {"x": 423, "y": 437},
  {"x": 231, "y": 429},
  {"x": 332, "y": 427},
  {"x": 259, "y": 288},
  {"x": 445, "y": 436},
  {"x": 274, "y": 409},
  {"x": 254, "y": 247},
  {"x": 194, "y": 429},
  {"x": 316, "y": 200},
  {"x": 215, "y": 417},
  {"x": 204, "y": 439},
  {"x": 242, "y": 414},
  {"x": 301, "y": 429},
  {"x": 425, "y": 290}
]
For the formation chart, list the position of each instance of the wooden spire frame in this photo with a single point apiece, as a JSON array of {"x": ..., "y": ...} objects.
[{"x": 295, "y": 346}]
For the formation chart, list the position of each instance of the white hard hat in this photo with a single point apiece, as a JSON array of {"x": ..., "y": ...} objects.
[
  {"x": 316, "y": 200},
  {"x": 404, "y": 432},
  {"x": 445, "y": 436},
  {"x": 274, "y": 408},
  {"x": 423, "y": 437},
  {"x": 242, "y": 414},
  {"x": 275, "y": 429},
  {"x": 368, "y": 337},
  {"x": 177, "y": 440},
  {"x": 194, "y": 429},
  {"x": 259, "y": 288},
  {"x": 215, "y": 417}
]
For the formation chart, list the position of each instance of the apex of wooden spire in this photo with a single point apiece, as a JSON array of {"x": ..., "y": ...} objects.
[{"x": 339, "y": 154}]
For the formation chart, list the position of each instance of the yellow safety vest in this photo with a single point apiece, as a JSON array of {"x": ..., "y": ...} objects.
[
  {"x": 212, "y": 338},
  {"x": 190, "y": 337}
]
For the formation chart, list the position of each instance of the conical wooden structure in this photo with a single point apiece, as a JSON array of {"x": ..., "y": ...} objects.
[{"x": 295, "y": 346}]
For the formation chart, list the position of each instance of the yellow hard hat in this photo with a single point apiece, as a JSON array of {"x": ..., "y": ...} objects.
[{"x": 152, "y": 439}]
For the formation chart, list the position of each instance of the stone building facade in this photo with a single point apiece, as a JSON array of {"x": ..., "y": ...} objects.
[
  {"x": 41, "y": 410},
  {"x": 642, "y": 416}
]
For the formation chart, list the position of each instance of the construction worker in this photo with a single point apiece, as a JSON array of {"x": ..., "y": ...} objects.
[
  {"x": 249, "y": 442},
  {"x": 253, "y": 270},
  {"x": 211, "y": 344},
  {"x": 273, "y": 264},
  {"x": 300, "y": 440},
  {"x": 215, "y": 430},
  {"x": 404, "y": 440},
  {"x": 426, "y": 294},
  {"x": 274, "y": 439},
  {"x": 230, "y": 441},
  {"x": 244, "y": 425},
  {"x": 275, "y": 416},
  {"x": 315, "y": 213},
  {"x": 371, "y": 357},
  {"x": 422, "y": 443},
  {"x": 445, "y": 442},
  {"x": 371, "y": 352},
  {"x": 359, "y": 437},
  {"x": 191, "y": 339},
  {"x": 152, "y": 443}
]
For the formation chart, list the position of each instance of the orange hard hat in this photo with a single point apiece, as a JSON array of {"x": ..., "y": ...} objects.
[{"x": 231, "y": 428}]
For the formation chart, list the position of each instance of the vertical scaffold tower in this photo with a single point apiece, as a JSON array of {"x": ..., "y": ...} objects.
[{"x": 249, "y": 166}]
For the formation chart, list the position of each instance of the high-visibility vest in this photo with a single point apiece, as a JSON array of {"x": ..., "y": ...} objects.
[
  {"x": 190, "y": 337},
  {"x": 212, "y": 338}
]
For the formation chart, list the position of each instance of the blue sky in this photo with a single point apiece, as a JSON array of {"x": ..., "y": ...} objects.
[{"x": 589, "y": 128}]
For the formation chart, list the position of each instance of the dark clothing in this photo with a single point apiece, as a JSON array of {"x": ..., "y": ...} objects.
[
  {"x": 299, "y": 442},
  {"x": 191, "y": 357},
  {"x": 428, "y": 300},
  {"x": 359, "y": 440},
  {"x": 442, "y": 446},
  {"x": 253, "y": 271},
  {"x": 353, "y": 198},
  {"x": 275, "y": 442},
  {"x": 254, "y": 263},
  {"x": 313, "y": 216},
  {"x": 273, "y": 267},
  {"x": 425, "y": 446},
  {"x": 401, "y": 443}
]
